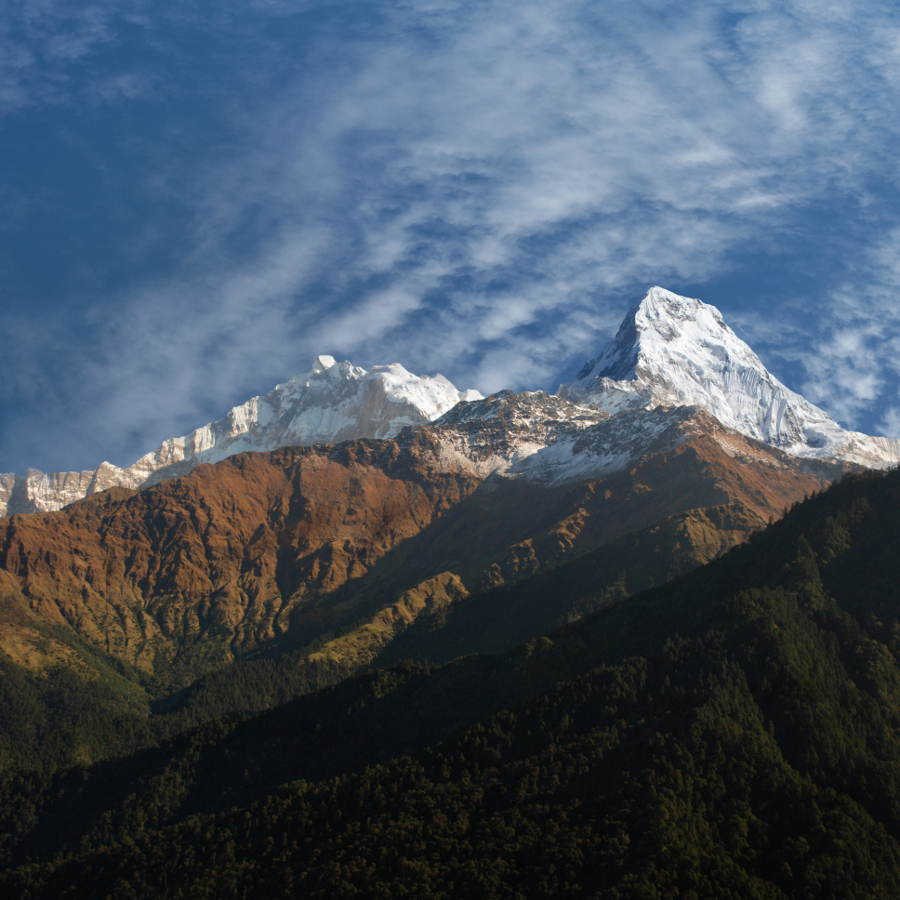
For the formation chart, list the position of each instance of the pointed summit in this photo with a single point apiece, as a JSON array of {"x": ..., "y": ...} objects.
[
  {"x": 323, "y": 363},
  {"x": 678, "y": 351},
  {"x": 661, "y": 331}
]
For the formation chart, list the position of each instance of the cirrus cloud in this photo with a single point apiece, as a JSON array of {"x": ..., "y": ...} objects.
[{"x": 480, "y": 189}]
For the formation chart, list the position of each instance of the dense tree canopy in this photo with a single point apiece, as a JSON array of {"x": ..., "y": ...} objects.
[{"x": 734, "y": 733}]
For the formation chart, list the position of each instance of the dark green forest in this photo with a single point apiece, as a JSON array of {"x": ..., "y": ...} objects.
[
  {"x": 732, "y": 733},
  {"x": 60, "y": 718}
]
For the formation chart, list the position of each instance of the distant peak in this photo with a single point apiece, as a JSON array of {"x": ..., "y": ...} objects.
[
  {"x": 663, "y": 337},
  {"x": 661, "y": 295},
  {"x": 660, "y": 304},
  {"x": 678, "y": 351},
  {"x": 334, "y": 402},
  {"x": 658, "y": 294}
]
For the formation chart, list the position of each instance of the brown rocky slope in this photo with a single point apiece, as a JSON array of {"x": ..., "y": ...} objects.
[{"x": 272, "y": 550}]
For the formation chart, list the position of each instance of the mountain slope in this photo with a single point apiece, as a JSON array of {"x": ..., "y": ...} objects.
[
  {"x": 275, "y": 550},
  {"x": 669, "y": 351},
  {"x": 732, "y": 734},
  {"x": 331, "y": 403},
  {"x": 498, "y": 620},
  {"x": 676, "y": 351}
]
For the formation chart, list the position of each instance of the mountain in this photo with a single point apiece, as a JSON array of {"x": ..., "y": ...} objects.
[
  {"x": 274, "y": 550},
  {"x": 669, "y": 351},
  {"x": 331, "y": 403},
  {"x": 675, "y": 351},
  {"x": 731, "y": 734},
  {"x": 333, "y": 556}
]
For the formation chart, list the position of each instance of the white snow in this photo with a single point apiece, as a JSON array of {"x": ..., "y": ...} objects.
[
  {"x": 677, "y": 351},
  {"x": 332, "y": 402}
]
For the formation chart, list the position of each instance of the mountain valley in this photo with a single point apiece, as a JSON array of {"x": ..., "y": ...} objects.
[{"x": 729, "y": 734}]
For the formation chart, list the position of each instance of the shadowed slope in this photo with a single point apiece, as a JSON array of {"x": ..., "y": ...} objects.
[{"x": 731, "y": 734}]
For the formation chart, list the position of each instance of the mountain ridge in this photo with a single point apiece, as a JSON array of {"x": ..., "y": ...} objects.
[
  {"x": 670, "y": 351},
  {"x": 278, "y": 548},
  {"x": 330, "y": 403}
]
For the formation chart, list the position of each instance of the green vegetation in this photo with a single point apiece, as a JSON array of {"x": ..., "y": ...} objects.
[
  {"x": 104, "y": 708},
  {"x": 500, "y": 619},
  {"x": 734, "y": 733},
  {"x": 58, "y": 718}
]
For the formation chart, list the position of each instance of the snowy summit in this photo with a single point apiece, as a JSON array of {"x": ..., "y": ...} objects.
[
  {"x": 677, "y": 351},
  {"x": 334, "y": 401}
]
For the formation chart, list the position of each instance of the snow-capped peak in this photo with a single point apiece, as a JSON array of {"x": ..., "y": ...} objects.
[
  {"x": 663, "y": 332},
  {"x": 334, "y": 401},
  {"x": 678, "y": 351}
]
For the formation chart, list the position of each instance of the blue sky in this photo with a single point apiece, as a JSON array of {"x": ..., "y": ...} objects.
[{"x": 196, "y": 199}]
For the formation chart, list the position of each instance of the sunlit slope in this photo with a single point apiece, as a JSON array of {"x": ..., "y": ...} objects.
[
  {"x": 268, "y": 552},
  {"x": 731, "y": 734}
]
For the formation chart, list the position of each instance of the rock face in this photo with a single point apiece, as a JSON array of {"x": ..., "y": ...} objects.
[
  {"x": 276, "y": 549},
  {"x": 331, "y": 403},
  {"x": 675, "y": 351}
]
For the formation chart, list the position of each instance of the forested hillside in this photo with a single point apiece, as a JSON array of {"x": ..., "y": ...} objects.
[
  {"x": 735, "y": 733},
  {"x": 78, "y": 714}
]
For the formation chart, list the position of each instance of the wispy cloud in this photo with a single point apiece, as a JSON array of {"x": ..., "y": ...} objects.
[
  {"x": 39, "y": 43},
  {"x": 476, "y": 188},
  {"x": 855, "y": 366},
  {"x": 844, "y": 341}
]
